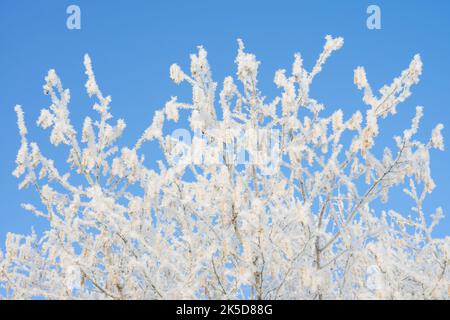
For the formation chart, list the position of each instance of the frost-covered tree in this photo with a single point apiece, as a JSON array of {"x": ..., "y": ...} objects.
[{"x": 267, "y": 200}]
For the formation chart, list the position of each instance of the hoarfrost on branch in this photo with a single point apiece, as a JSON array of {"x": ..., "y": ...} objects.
[{"x": 207, "y": 225}]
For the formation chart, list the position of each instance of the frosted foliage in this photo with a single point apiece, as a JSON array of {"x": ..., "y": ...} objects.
[{"x": 317, "y": 225}]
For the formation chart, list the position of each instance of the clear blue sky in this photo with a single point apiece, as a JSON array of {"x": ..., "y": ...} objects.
[{"x": 132, "y": 44}]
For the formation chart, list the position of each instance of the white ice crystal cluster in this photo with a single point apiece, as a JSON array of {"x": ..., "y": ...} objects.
[{"x": 208, "y": 225}]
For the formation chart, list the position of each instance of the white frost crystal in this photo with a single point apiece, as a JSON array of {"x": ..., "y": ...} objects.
[{"x": 268, "y": 199}]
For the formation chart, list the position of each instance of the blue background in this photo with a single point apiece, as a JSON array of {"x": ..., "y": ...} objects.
[{"x": 133, "y": 43}]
